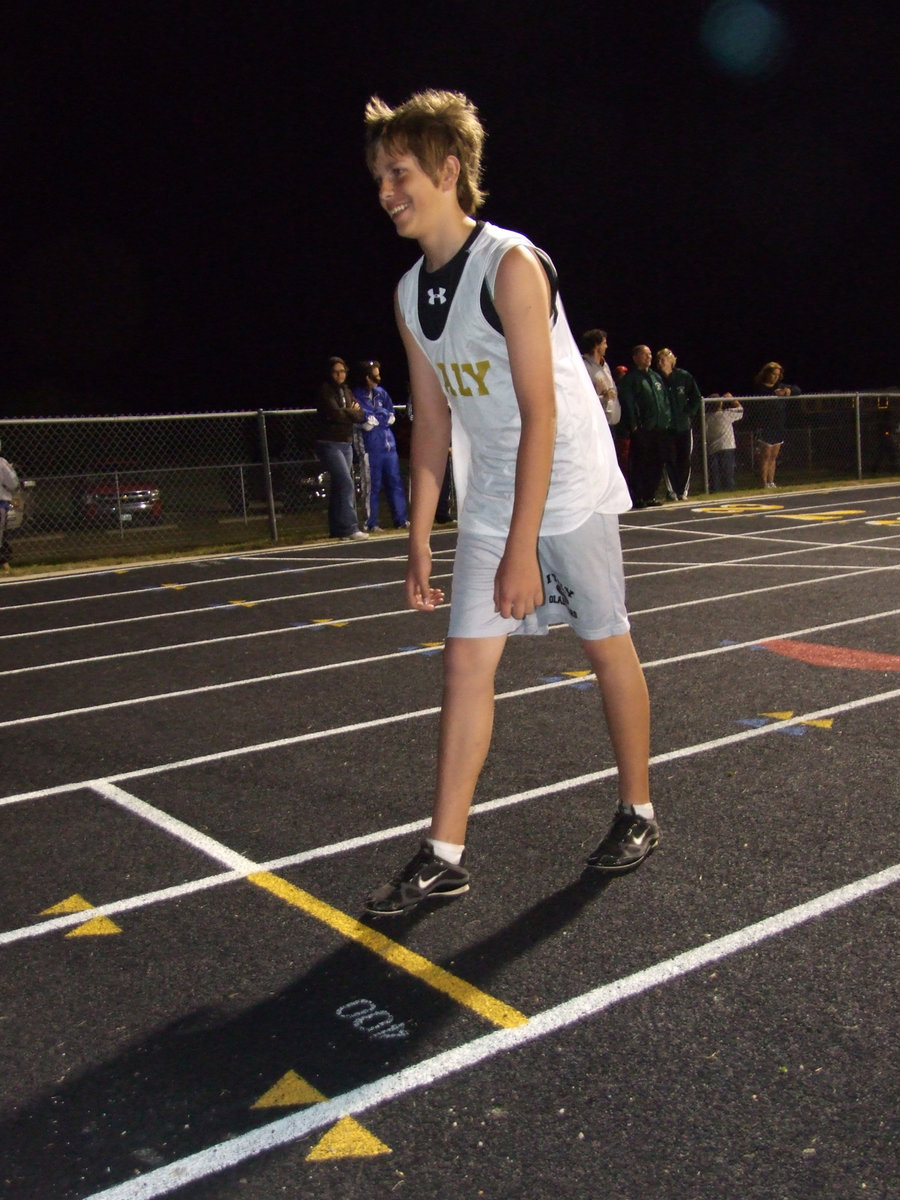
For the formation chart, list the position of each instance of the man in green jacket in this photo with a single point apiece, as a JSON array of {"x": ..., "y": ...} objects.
[
  {"x": 684, "y": 400},
  {"x": 648, "y": 417}
]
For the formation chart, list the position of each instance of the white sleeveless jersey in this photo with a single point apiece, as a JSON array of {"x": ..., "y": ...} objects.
[{"x": 471, "y": 361}]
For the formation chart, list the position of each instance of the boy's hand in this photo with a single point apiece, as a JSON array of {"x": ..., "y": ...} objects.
[
  {"x": 419, "y": 592},
  {"x": 518, "y": 585}
]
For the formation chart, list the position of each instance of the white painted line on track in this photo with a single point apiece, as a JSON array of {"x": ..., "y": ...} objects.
[
  {"x": 224, "y": 1155},
  {"x": 222, "y": 606},
  {"x": 178, "y": 829},
  {"x": 423, "y": 650},
  {"x": 369, "y": 839},
  {"x": 397, "y": 718},
  {"x": 163, "y": 588},
  {"x": 218, "y": 687}
]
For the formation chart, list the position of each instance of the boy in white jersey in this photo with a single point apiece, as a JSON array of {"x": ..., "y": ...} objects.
[{"x": 538, "y": 488}]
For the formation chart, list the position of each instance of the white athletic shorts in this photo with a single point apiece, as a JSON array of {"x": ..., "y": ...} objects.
[{"x": 584, "y": 584}]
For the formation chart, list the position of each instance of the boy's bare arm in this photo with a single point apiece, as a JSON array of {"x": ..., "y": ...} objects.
[
  {"x": 428, "y": 461},
  {"x": 522, "y": 300}
]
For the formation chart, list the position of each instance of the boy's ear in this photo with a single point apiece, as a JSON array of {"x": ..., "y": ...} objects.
[{"x": 450, "y": 172}]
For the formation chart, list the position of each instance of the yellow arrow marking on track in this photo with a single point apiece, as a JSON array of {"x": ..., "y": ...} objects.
[
  {"x": 347, "y": 1139},
  {"x": 887, "y": 521},
  {"x": 824, "y": 723},
  {"x": 290, "y": 1091},
  {"x": 577, "y": 674},
  {"x": 392, "y": 952},
  {"x": 329, "y": 621},
  {"x": 244, "y": 603},
  {"x": 175, "y": 587},
  {"x": 96, "y": 927}
]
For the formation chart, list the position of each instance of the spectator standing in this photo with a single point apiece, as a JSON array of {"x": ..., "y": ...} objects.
[
  {"x": 720, "y": 443},
  {"x": 381, "y": 447},
  {"x": 684, "y": 402},
  {"x": 647, "y": 417},
  {"x": 770, "y": 435},
  {"x": 336, "y": 415},
  {"x": 9, "y": 484},
  {"x": 593, "y": 352}
]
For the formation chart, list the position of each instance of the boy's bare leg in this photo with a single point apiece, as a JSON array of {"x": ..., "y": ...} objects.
[
  {"x": 626, "y": 706},
  {"x": 467, "y": 720}
]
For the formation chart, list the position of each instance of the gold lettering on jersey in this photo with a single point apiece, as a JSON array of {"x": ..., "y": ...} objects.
[
  {"x": 448, "y": 386},
  {"x": 476, "y": 371},
  {"x": 463, "y": 390}
]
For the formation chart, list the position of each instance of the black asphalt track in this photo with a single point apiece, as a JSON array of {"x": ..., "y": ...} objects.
[{"x": 208, "y": 763}]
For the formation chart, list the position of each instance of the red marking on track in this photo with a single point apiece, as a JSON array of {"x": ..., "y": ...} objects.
[{"x": 833, "y": 656}]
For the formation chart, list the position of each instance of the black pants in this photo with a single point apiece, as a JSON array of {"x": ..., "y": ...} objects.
[{"x": 647, "y": 454}]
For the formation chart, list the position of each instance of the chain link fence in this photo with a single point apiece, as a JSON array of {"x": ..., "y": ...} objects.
[
  {"x": 115, "y": 487},
  {"x": 828, "y": 436}
]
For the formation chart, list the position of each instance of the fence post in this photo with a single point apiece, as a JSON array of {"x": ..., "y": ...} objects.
[
  {"x": 856, "y": 407},
  {"x": 703, "y": 446},
  {"x": 267, "y": 474}
]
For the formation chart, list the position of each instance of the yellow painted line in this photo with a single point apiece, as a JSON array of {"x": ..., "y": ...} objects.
[
  {"x": 392, "y": 952},
  {"x": 837, "y": 514}
]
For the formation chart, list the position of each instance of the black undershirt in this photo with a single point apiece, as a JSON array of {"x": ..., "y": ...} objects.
[{"x": 437, "y": 289}]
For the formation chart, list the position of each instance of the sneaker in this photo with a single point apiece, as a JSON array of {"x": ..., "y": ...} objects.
[
  {"x": 425, "y": 875},
  {"x": 358, "y": 535},
  {"x": 630, "y": 840},
  {"x": 654, "y": 503}
]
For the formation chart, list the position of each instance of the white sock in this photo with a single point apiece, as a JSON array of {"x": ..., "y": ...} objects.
[
  {"x": 641, "y": 810},
  {"x": 446, "y": 850}
]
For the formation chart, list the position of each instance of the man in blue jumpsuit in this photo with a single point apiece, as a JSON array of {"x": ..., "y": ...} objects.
[{"x": 381, "y": 447}]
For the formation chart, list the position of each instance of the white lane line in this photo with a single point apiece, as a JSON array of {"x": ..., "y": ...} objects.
[
  {"x": 423, "y": 650},
  {"x": 162, "y": 588},
  {"x": 381, "y": 722},
  {"x": 215, "y": 641},
  {"x": 176, "y": 891},
  {"x": 177, "y": 829},
  {"x": 224, "y": 1155},
  {"x": 217, "y": 687},
  {"x": 222, "y": 606}
]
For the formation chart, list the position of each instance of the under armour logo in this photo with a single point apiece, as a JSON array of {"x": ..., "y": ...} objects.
[{"x": 439, "y": 296}]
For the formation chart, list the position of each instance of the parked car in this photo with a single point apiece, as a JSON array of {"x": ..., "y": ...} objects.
[
  {"x": 116, "y": 493},
  {"x": 298, "y": 485}
]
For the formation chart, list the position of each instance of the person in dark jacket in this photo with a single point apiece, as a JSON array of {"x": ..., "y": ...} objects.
[
  {"x": 646, "y": 416},
  {"x": 336, "y": 414},
  {"x": 684, "y": 402},
  {"x": 770, "y": 435}
]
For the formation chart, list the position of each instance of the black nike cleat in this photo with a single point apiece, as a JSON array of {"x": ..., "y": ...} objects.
[
  {"x": 424, "y": 877},
  {"x": 630, "y": 840}
]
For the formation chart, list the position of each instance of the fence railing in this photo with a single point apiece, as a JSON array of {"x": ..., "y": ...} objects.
[{"x": 114, "y": 487}]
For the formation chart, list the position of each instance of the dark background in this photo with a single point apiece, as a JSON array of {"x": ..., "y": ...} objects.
[{"x": 188, "y": 222}]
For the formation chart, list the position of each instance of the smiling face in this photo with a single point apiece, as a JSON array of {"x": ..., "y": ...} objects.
[
  {"x": 642, "y": 357},
  {"x": 407, "y": 194}
]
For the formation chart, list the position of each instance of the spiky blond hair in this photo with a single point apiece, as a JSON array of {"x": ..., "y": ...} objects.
[{"x": 431, "y": 125}]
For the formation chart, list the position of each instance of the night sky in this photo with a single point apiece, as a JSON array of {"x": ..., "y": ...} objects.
[{"x": 188, "y": 223}]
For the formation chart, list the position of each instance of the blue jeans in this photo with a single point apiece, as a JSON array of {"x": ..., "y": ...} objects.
[{"x": 337, "y": 458}]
